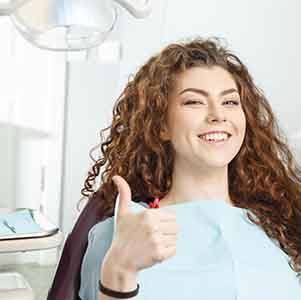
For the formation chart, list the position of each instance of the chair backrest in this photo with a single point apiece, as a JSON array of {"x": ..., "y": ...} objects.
[{"x": 66, "y": 282}]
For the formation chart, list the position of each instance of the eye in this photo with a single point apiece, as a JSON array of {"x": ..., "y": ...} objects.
[
  {"x": 193, "y": 101},
  {"x": 233, "y": 101}
]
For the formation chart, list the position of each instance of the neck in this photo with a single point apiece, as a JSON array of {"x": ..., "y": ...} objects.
[{"x": 190, "y": 184}]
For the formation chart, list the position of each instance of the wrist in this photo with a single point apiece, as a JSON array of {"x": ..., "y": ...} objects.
[
  {"x": 116, "y": 261},
  {"x": 117, "y": 278},
  {"x": 113, "y": 267}
]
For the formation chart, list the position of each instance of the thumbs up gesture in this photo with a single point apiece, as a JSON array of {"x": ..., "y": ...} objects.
[{"x": 141, "y": 239}]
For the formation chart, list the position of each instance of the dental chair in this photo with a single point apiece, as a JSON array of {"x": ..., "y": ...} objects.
[{"x": 13, "y": 286}]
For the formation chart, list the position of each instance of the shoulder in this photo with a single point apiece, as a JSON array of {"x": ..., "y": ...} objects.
[
  {"x": 103, "y": 229},
  {"x": 99, "y": 241}
]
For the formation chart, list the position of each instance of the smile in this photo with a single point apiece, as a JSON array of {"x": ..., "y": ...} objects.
[{"x": 212, "y": 141}]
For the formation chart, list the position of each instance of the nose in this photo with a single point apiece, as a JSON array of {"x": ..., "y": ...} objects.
[{"x": 216, "y": 115}]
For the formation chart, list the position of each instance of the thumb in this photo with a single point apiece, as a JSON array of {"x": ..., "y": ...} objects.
[{"x": 125, "y": 196}]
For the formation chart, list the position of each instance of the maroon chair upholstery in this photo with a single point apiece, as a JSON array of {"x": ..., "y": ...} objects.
[{"x": 66, "y": 282}]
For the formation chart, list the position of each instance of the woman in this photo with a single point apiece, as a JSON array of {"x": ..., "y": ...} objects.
[{"x": 193, "y": 137}]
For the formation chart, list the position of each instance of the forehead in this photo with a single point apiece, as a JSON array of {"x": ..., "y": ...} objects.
[{"x": 213, "y": 79}]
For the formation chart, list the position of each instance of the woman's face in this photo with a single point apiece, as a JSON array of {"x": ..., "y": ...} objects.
[{"x": 205, "y": 100}]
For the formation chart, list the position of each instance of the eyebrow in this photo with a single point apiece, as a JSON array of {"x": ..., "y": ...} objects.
[{"x": 206, "y": 94}]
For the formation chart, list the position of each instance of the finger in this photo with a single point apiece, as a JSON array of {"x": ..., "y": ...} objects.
[
  {"x": 169, "y": 240},
  {"x": 167, "y": 252},
  {"x": 170, "y": 228},
  {"x": 125, "y": 196},
  {"x": 165, "y": 215}
]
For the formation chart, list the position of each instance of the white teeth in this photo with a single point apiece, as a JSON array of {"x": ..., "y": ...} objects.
[{"x": 215, "y": 136}]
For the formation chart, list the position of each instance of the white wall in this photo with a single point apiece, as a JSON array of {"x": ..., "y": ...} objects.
[
  {"x": 92, "y": 87},
  {"x": 264, "y": 33},
  {"x": 31, "y": 124},
  {"x": 7, "y": 169}
]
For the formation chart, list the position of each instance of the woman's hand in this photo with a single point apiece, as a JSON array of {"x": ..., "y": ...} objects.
[{"x": 141, "y": 239}]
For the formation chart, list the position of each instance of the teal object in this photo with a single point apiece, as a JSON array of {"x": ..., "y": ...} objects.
[
  {"x": 18, "y": 222},
  {"x": 220, "y": 255}
]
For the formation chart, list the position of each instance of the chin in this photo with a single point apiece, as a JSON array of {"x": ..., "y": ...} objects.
[
  {"x": 215, "y": 163},
  {"x": 218, "y": 165}
]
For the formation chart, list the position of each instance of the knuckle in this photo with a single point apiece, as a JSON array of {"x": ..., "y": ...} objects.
[
  {"x": 155, "y": 242},
  {"x": 158, "y": 255},
  {"x": 150, "y": 230},
  {"x": 174, "y": 253}
]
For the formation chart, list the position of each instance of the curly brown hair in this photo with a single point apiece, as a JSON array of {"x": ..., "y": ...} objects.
[{"x": 263, "y": 177}]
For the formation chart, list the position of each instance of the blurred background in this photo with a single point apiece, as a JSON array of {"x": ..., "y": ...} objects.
[{"x": 53, "y": 103}]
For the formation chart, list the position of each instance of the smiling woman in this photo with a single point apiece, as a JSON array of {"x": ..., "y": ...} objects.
[
  {"x": 200, "y": 105},
  {"x": 201, "y": 139}
]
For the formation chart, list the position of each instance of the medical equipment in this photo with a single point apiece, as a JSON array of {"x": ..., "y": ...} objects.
[
  {"x": 23, "y": 230},
  {"x": 8, "y": 6},
  {"x": 25, "y": 223},
  {"x": 71, "y": 25}
]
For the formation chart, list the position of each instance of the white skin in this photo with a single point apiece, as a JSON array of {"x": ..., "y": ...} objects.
[
  {"x": 200, "y": 172},
  {"x": 201, "y": 169}
]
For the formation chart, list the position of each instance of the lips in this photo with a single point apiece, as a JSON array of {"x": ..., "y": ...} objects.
[
  {"x": 215, "y": 142},
  {"x": 214, "y": 132}
]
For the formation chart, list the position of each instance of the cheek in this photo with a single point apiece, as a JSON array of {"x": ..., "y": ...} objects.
[
  {"x": 241, "y": 128},
  {"x": 182, "y": 122},
  {"x": 241, "y": 123}
]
